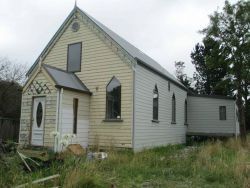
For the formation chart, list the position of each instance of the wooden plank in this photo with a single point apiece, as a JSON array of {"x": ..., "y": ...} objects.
[{"x": 39, "y": 180}]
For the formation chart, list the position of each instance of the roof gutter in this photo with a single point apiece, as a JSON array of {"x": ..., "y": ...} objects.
[
  {"x": 73, "y": 89},
  {"x": 211, "y": 96}
]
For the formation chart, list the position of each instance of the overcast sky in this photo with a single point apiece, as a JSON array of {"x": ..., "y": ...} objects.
[{"x": 166, "y": 30}]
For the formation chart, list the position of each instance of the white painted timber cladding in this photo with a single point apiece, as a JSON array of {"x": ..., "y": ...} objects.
[
  {"x": 99, "y": 64},
  {"x": 82, "y": 116},
  {"x": 203, "y": 116},
  {"x": 147, "y": 133},
  {"x": 49, "y": 116}
]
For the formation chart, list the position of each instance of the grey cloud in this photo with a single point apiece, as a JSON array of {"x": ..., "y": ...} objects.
[{"x": 165, "y": 30}]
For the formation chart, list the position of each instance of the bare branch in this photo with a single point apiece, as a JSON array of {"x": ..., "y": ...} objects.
[{"x": 12, "y": 71}]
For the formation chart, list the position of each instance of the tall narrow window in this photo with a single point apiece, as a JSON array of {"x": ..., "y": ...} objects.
[
  {"x": 75, "y": 111},
  {"x": 155, "y": 103},
  {"x": 173, "y": 109},
  {"x": 223, "y": 113},
  {"x": 185, "y": 112},
  {"x": 74, "y": 57},
  {"x": 113, "y": 99},
  {"x": 168, "y": 85}
]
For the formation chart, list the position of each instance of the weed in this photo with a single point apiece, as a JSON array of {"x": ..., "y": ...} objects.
[{"x": 210, "y": 164}]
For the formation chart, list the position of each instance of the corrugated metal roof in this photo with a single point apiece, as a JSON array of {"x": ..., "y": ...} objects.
[
  {"x": 65, "y": 79},
  {"x": 128, "y": 47},
  {"x": 133, "y": 51}
]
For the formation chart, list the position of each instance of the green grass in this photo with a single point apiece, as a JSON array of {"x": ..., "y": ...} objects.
[{"x": 212, "y": 164}]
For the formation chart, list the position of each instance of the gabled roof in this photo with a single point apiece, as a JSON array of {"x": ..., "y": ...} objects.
[
  {"x": 64, "y": 79},
  {"x": 133, "y": 51},
  {"x": 138, "y": 55},
  {"x": 51, "y": 41}
]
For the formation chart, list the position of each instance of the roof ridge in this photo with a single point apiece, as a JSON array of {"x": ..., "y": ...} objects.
[
  {"x": 81, "y": 82},
  {"x": 132, "y": 50}
]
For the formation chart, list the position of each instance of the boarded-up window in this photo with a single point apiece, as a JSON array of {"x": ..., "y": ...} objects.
[
  {"x": 155, "y": 103},
  {"x": 223, "y": 113},
  {"x": 74, "y": 57},
  {"x": 173, "y": 109},
  {"x": 75, "y": 111},
  {"x": 113, "y": 99}
]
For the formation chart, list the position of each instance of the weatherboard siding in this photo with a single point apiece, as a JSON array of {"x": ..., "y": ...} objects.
[
  {"x": 82, "y": 116},
  {"x": 50, "y": 113},
  {"x": 147, "y": 133},
  {"x": 100, "y": 62},
  {"x": 203, "y": 116}
]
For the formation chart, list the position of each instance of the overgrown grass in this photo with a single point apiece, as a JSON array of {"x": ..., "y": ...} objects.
[{"x": 211, "y": 164}]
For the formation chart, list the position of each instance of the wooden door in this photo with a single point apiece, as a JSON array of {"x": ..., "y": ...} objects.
[{"x": 38, "y": 121}]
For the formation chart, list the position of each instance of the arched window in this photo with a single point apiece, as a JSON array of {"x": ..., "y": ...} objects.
[
  {"x": 185, "y": 112},
  {"x": 173, "y": 109},
  {"x": 155, "y": 103},
  {"x": 113, "y": 99}
]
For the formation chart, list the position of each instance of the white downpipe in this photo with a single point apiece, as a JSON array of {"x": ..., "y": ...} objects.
[
  {"x": 57, "y": 118},
  {"x": 60, "y": 117}
]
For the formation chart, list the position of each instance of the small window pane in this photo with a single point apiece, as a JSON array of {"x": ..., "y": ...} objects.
[
  {"x": 74, "y": 57},
  {"x": 39, "y": 114},
  {"x": 222, "y": 111}
]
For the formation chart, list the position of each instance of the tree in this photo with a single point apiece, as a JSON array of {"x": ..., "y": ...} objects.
[
  {"x": 210, "y": 69},
  {"x": 248, "y": 114},
  {"x": 12, "y": 72},
  {"x": 12, "y": 76},
  {"x": 181, "y": 76},
  {"x": 10, "y": 99},
  {"x": 230, "y": 28}
]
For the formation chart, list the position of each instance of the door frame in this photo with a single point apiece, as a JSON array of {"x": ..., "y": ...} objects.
[{"x": 31, "y": 117}]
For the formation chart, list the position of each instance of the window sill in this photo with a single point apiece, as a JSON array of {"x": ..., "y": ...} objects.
[
  {"x": 186, "y": 124},
  {"x": 155, "y": 121},
  {"x": 112, "y": 120},
  {"x": 173, "y": 123}
]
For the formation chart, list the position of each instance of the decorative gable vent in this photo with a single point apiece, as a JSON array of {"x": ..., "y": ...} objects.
[{"x": 75, "y": 26}]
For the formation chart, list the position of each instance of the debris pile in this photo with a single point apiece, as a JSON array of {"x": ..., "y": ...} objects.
[{"x": 97, "y": 155}]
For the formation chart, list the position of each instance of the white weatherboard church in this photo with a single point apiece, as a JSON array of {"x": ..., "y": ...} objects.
[{"x": 90, "y": 82}]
